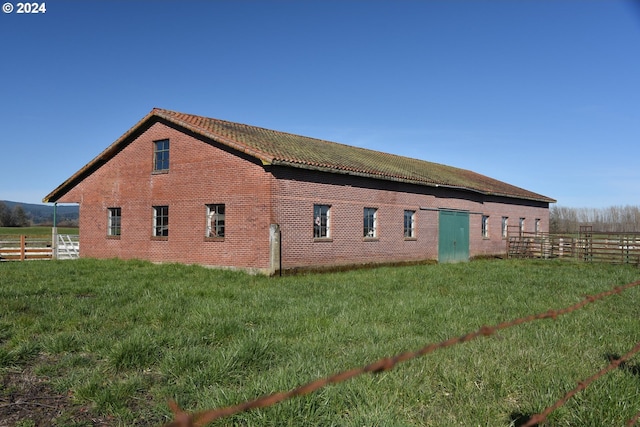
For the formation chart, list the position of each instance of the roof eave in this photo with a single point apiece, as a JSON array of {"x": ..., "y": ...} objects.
[
  {"x": 277, "y": 162},
  {"x": 159, "y": 115},
  {"x": 98, "y": 161}
]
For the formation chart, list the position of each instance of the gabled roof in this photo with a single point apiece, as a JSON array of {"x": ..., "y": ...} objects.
[{"x": 284, "y": 149}]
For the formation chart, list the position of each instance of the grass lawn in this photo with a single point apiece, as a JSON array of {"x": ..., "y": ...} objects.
[
  {"x": 121, "y": 338},
  {"x": 35, "y": 231}
]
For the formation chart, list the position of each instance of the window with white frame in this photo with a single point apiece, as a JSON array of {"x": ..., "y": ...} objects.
[
  {"x": 521, "y": 225},
  {"x": 114, "y": 220},
  {"x": 537, "y": 226},
  {"x": 505, "y": 226},
  {"x": 485, "y": 226},
  {"x": 409, "y": 224},
  {"x": 161, "y": 221},
  {"x": 215, "y": 220},
  {"x": 370, "y": 217},
  {"x": 321, "y": 221}
]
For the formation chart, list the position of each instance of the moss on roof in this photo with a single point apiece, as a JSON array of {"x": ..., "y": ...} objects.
[
  {"x": 286, "y": 149},
  {"x": 280, "y": 148}
]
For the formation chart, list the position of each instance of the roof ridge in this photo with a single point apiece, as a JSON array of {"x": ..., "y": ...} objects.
[
  {"x": 266, "y": 129},
  {"x": 364, "y": 149},
  {"x": 338, "y": 157},
  {"x": 274, "y": 147}
]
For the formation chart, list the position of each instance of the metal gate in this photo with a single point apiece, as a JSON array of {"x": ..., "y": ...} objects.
[
  {"x": 453, "y": 236},
  {"x": 68, "y": 246}
]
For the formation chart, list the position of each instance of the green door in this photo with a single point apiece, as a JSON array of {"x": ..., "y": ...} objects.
[{"x": 453, "y": 236}]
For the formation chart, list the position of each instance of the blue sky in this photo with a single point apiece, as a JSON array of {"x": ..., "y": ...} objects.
[{"x": 544, "y": 95}]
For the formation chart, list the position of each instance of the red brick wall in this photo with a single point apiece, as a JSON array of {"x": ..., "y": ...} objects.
[
  {"x": 496, "y": 208},
  {"x": 297, "y": 191},
  {"x": 255, "y": 196},
  {"x": 199, "y": 174}
]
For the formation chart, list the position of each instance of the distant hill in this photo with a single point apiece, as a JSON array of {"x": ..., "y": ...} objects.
[{"x": 43, "y": 214}]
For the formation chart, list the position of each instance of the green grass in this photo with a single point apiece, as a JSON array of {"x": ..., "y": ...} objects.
[
  {"x": 36, "y": 231},
  {"x": 124, "y": 337}
]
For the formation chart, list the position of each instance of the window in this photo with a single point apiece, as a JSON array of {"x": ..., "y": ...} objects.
[
  {"x": 485, "y": 226},
  {"x": 215, "y": 221},
  {"x": 521, "y": 225},
  {"x": 409, "y": 224},
  {"x": 505, "y": 226},
  {"x": 161, "y": 221},
  {"x": 161, "y": 155},
  {"x": 537, "y": 225},
  {"x": 321, "y": 221},
  {"x": 370, "y": 222},
  {"x": 114, "y": 218}
]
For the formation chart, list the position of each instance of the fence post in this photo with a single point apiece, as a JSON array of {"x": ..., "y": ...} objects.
[
  {"x": 23, "y": 249},
  {"x": 54, "y": 242},
  {"x": 507, "y": 244}
]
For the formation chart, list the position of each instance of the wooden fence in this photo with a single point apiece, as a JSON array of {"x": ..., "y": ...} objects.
[
  {"x": 588, "y": 246},
  {"x": 22, "y": 248},
  {"x": 25, "y": 248}
]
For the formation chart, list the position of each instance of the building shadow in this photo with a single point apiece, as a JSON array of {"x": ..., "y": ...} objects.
[
  {"x": 519, "y": 419},
  {"x": 633, "y": 369}
]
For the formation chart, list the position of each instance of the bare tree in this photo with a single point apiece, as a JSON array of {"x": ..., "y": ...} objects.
[{"x": 614, "y": 219}]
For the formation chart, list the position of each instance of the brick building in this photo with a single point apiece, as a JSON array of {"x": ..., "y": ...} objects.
[{"x": 183, "y": 188}]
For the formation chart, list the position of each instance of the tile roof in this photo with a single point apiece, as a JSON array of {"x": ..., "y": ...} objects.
[{"x": 286, "y": 149}]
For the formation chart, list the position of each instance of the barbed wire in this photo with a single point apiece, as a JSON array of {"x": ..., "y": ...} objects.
[
  {"x": 540, "y": 417},
  {"x": 633, "y": 420},
  {"x": 200, "y": 419}
]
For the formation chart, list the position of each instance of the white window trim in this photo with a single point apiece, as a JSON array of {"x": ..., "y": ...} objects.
[
  {"x": 485, "y": 226},
  {"x": 111, "y": 227},
  {"x": 317, "y": 222},
  {"x": 412, "y": 226},
  {"x": 213, "y": 215},
  {"x": 159, "y": 227},
  {"x": 505, "y": 226},
  {"x": 370, "y": 231}
]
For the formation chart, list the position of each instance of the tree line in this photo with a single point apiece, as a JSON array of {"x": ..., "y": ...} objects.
[
  {"x": 16, "y": 217},
  {"x": 614, "y": 219}
]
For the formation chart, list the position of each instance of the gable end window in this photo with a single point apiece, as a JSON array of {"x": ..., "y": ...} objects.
[
  {"x": 370, "y": 218},
  {"x": 215, "y": 221},
  {"x": 321, "y": 221},
  {"x": 161, "y": 156},
  {"x": 161, "y": 221},
  {"x": 114, "y": 219}
]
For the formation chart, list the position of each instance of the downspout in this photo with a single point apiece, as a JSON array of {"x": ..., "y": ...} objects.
[
  {"x": 280, "y": 250},
  {"x": 275, "y": 248},
  {"x": 54, "y": 233}
]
